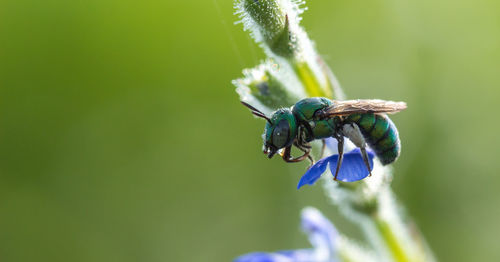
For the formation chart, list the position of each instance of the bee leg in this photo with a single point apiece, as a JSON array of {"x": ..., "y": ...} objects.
[
  {"x": 340, "y": 145},
  {"x": 306, "y": 149},
  {"x": 285, "y": 154},
  {"x": 288, "y": 158},
  {"x": 354, "y": 134},
  {"x": 365, "y": 159},
  {"x": 303, "y": 146}
]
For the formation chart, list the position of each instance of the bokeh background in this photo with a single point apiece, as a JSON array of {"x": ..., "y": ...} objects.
[{"x": 122, "y": 139}]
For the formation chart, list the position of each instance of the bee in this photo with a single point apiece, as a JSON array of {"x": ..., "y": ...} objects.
[{"x": 363, "y": 122}]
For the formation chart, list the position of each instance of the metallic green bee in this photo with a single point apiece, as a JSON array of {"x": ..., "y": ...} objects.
[{"x": 362, "y": 121}]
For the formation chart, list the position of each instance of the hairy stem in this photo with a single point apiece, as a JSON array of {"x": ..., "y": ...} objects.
[
  {"x": 391, "y": 241},
  {"x": 311, "y": 84},
  {"x": 274, "y": 24}
]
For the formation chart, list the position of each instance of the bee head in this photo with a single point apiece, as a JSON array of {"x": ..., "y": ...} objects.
[{"x": 280, "y": 131}]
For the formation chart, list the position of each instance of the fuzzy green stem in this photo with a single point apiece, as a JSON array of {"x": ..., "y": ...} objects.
[
  {"x": 393, "y": 244},
  {"x": 274, "y": 26},
  {"x": 310, "y": 82},
  {"x": 370, "y": 206},
  {"x": 271, "y": 92},
  {"x": 376, "y": 211}
]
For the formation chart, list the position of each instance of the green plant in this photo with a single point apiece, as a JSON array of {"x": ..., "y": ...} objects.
[{"x": 294, "y": 70}]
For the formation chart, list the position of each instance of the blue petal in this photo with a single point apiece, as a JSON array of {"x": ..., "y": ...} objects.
[
  {"x": 263, "y": 257},
  {"x": 332, "y": 144},
  {"x": 315, "y": 171},
  {"x": 322, "y": 233},
  {"x": 301, "y": 255},
  {"x": 353, "y": 167}
]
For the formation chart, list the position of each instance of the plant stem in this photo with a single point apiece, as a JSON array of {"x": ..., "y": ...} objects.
[
  {"x": 390, "y": 240},
  {"x": 311, "y": 83}
]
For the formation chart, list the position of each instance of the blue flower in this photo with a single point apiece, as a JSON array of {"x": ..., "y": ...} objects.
[
  {"x": 353, "y": 167},
  {"x": 322, "y": 235}
]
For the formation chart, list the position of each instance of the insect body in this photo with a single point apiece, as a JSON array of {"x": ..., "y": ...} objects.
[
  {"x": 380, "y": 134},
  {"x": 362, "y": 121}
]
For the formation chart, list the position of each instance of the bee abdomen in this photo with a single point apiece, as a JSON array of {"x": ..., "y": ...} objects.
[{"x": 380, "y": 134}]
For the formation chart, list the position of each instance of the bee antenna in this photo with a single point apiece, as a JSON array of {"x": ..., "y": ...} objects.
[
  {"x": 252, "y": 108},
  {"x": 262, "y": 116},
  {"x": 256, "y": 112}
]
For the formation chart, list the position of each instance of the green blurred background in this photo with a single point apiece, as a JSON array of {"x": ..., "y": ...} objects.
[{"x": 122, "y": 139}]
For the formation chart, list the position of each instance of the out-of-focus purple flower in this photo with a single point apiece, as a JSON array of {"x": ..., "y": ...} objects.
[
  {"x": 322, "y": 235},
  {"x": 280, "y": 256},
  {"x": 353, "y": 167}
]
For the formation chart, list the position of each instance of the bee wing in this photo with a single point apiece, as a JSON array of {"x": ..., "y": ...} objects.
[{"x": 349, "y": 107}]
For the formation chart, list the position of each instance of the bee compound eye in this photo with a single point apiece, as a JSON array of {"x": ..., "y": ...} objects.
[{"x": 280, "y": 133}]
